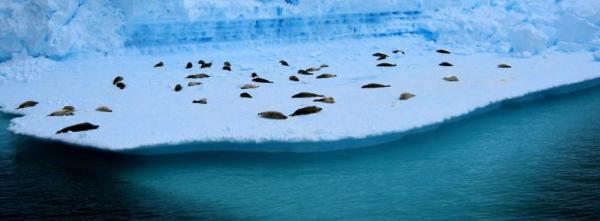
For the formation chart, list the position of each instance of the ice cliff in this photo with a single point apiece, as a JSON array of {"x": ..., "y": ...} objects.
[{"x": 59, "y": 29}]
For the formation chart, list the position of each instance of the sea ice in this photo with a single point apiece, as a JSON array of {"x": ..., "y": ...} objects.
[{"x": 148, "y": 112}]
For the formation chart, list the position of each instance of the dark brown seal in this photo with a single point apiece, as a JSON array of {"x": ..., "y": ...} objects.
[
  {"x": 374, "y": 85},
  {"x": 442, "y": 51},
  {"x": 386, "y": 65},
  {"x": 117, "y": 80},
  {"x": 446, "y": 64},
  {"x": 120, "y": 85},
  {"x": 326, "y": 76},
  {"x": 201, "y": 101},
  {"x": 306, "y": 110},
  {"x": 27, "y": 104},
  {"x": 380, "y": 56},
  {"x": 272, "y": 115},
  {"x": 196, "y": 76},
  {"x": 104, "y": 109},
  {"x": 451, "y": 78},
  {"x": 78, "y": 127},
  {"x": 306, "y": 95},
  {"x": 504, "y": 66},
  {"x": 204, "y": 64},
  {"x": 261, "y": 80},
  {"x": 398, "y": 51},
  {"x": 304, "y": 72},
  {"x": 245, "y": 95}
]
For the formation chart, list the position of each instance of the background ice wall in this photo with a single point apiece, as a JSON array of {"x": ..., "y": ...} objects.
[
  {"x": 59, "y": 28},
  {"x": 62, "y": 28}
]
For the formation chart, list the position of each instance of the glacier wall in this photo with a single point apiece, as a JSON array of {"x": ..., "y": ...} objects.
[{"x": 60, "y": 29}]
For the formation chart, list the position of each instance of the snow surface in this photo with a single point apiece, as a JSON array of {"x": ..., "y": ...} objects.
[{"x": 148, "y": 112}]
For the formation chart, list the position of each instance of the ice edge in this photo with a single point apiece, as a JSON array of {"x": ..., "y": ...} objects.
[{"x": 323, "y": 145}]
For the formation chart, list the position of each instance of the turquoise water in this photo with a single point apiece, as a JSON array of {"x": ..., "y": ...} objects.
[{"x": 538, "y": 160}]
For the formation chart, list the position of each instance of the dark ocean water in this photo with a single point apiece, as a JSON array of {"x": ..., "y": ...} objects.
[{"x": 539, "y": 160}]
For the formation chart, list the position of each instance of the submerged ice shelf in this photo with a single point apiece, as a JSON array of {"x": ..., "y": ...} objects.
[{"x": 149, "y": 114}]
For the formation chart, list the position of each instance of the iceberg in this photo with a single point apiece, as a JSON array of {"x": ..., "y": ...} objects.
[{"x": 61, "y": 53}]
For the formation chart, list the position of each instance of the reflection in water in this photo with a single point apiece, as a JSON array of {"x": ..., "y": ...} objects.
[{"x": 526, "y": 161}]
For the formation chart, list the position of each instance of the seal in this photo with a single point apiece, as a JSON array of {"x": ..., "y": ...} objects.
[
  {"x": 386, "y": 65},
  {"x": 103, "y": 109},
  {"x": 374, "y": 85},
  {"x": 245, "y": 95},
  {"x": 159, "y": 64},
  {"x": 272, "y": 115},
  {"x": 323, "y": 66},
  {"x": 62, "y": 112},
  {"x": 504, "y": 66},
  {"x": 69, "y": 108},
  {"x": 306, "y": 95},
  {"x": 197, "y": 76},
  {"x": 201, "y": 101},
  {"x": 27, "y": 104},
  {"x": 65, "y": 111},
  {"x": 204, "y": 64},
  {"x": 311, "y": 69},
  {"x": 442, "y": 51},
  {"x": 306, "y": 111},
  {"x": 253, "y": 75},
  {"x": 194, "y": 83},
  {"x": 78, "y": 128},
  {"x": 120, "y": 85},
  {"x": 398, "y": 51},
  {"x": 293, "y": 78},
  {"x": 261, "y": 80},
  {"x": 328, "y": 100},
  {"x": 446, "y": 64},
  {"x": 406, "y": 96},
  {"x": 249, "y": 86},
  {"x": 451, "y": 78},
  {"x": 188, "y": 65},
  {"x": 227, "y": 66},
  {"x": 380, "y": 56},
  {"x": 284, "y": 63},
  {"x": 304, "y": 72},
  {"x": 326, "y": 76},
  {"x": 177, "y": 88},
  {"x": 117, "y": 80}
]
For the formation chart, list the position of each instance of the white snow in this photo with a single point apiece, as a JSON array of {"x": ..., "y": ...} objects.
[{"x": 148, "y": 112}]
